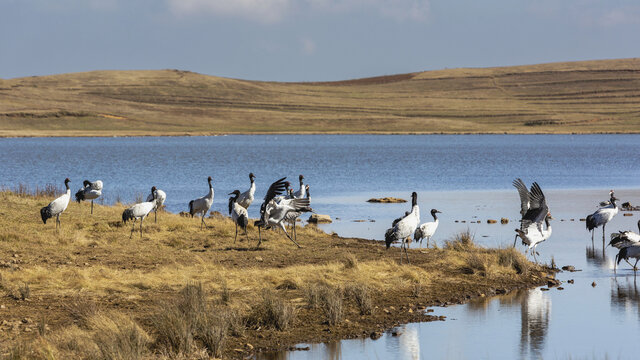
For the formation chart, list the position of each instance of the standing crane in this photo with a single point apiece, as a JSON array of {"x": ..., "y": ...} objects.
[
  {"x": 139, "y": 211},
  {"x": 238, "y": 214},
  {"x": 202, "y": 205},
  {"x": 602, "y": 216},
  {"x": 292, "y": 217},
  {"x": 301, "y": 193},
  {"x": 405, "y": 227},
  {"x": 57, "y": 206},
  {"x": 89, "y": 191},
  {"x": 427, "y": 229},
  {"x": 160, "y": 197},
  {"x": 246, "y": 198}
]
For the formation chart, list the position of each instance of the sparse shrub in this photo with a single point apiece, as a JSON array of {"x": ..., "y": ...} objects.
[
  {"x": 272, "y": 312},
  {"x": 362, "y": 297},
  {"x": 25, "y": 291},
  {"x": 511, "y": 257},
  {"x": 476, "y": 264},
  {"x": 81, "y": 310},
  {"x": 42, "y": 326},
  {"x": 416, "y": 289},
  {"x": 225, "y": 294},
  {"x": 328, "y": 299},
  {"x": 287, "y": 284},
  {"x": 460, "y": 242},
  {"x": 118, "y": 337},
  {"x": 350, "y": 261},
  {"x": 181, "y": 323}
]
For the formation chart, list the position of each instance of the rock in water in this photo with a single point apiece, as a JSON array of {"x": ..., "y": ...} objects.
[{"x": 318, "y": 218}]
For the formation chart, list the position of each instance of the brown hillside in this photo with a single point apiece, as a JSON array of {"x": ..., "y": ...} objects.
[{"x": 584, "y": 97}]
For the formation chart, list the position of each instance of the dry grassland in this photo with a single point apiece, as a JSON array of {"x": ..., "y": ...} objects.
[
  {"x": 89, "y": 292},
  {"x": 581, "y": 97}
]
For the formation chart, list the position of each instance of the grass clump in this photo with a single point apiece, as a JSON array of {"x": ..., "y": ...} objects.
[
  {"x": 328, "y": 298},
  {"x": 361, "y": 294},
  {"x": 189, "y": 321},
  {"x": 272, "y": 312},
  {"x": 512, "y": 258},
  {"x": 461, "y": 241},
  {"x": 118, "y": 337},
  {"x": 476, "y": 264},
  {"x": 350, "y": 261}
]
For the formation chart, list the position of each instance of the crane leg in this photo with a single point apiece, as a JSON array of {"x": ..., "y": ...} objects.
[
  {"x": 247, "y": 234},
  {"x": 401, "y": 247},
  {"x": 514, "y": 240},
  {"x": 295, "y": 232},
  {"x": 92, "y": 207},
  {"x": 133, "y": 227},
  {"x": 259, "y": 238},
  {"x": 603, "y": 226},
  {"x": 234, "y": 239},
  {"x": 290, "y": 238},
  {"x": 155, "y": 212},
  {"x": 634, "y": 266},
  {"x": 407, "y": 254},
  {"x": 429, "y": 238},
  {"x": 141, "y": 220}
]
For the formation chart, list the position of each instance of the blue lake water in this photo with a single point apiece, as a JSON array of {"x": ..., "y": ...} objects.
[{"x": 467, "y": 177}]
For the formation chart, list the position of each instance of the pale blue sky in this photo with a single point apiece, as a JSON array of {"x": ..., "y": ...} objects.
[{"x": 308, "y": 40}]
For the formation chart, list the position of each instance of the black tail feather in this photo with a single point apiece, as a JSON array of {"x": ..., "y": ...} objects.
[
  {"x": 191, "y": 208},
  {"x": 591, "y": 224},
  {"x": 243, "y": 221},
  {"x": 622, "y": 255},
  {"x": 389, "y": 237},
  {"x": 45, "y": 213},
  {"x": 80, "y": 195},
  {"x": 127, "y": 215}
]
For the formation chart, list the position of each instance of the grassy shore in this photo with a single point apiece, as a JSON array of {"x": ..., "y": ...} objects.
[
  {"x": 575, "y": 97},
  {"x": 87, "y": 291}
]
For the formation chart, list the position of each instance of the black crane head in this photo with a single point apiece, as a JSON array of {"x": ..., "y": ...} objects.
[
  {"x": 287, "y": 185},
  {"x": 235, "y": 192},
  {"x": 301, "y": 177},
  {"x": 251, "y": 177},
  {"x": 414, "y": 198},
  {"x": 86, "y": 183},
  {"x": 434, "y": 211},
  {"x": 66, "y": 181},
  {"x": 154, "y": 193},
  {"x": 209, "y": 179}
]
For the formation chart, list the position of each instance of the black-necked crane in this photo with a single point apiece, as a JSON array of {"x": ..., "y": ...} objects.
[
  {"x": 202, "y": 205},
  {"x": 607, "y": 202},
  {"x": 238, "y": 214},
  {"x": 292, "y": 217},
  {"x": 602, "y": 216},
  {"x": 427, "y": 229},
  {"x": 535, "y": 213},
  {"x": 405, "y": 227},
  {"x": 625, "y": 238},
  {"x": 301, "y": 193},
  {"x": 246, "y": 198},
  {"x": 139, "y": 211},
  {"x": 57, "y": 206},
  {"x": 631, "y": 251},
  {"x": 273, "y": 213},
  {"x": 160, "y": 197},
  {"x": 90, "y": 190}
]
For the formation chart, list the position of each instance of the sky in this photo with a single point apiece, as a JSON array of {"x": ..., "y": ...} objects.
[{"x": 308, "y": 40}]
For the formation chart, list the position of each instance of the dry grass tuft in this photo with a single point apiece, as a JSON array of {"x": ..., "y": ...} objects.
[
  {"x": 512, "y": 258},
  {"x": 272, "y": 312},
  {"x": 328, "y": 298},
  {"x": 350, "y": 261},
  {"x": 476, "y": 264},
  {"x": 462, "y": 241},
  {"x": 361, "y": 294},
  {"x": 118, "y": 337}
]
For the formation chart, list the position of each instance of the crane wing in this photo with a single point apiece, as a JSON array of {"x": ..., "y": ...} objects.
[{"x": 524, "y": 195}]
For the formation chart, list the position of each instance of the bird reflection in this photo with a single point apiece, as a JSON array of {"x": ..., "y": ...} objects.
[
  {"x": 597, "y": 258},
  {"x": 625, "y": 295},
  {"x": 535, "y": 313}
]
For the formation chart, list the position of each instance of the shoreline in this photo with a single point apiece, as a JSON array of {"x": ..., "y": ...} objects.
[{"x": 92, "y": 265}]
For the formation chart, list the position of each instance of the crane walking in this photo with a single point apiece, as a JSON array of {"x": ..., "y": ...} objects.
[{"x": 57, "y": 206}]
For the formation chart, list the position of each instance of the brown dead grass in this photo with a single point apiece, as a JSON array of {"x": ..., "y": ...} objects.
[
  {"x": 90, "y": 279},
  {"x": 582, "y": 97}
]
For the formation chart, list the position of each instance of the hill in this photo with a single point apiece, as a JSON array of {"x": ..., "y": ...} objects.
[{"x": 582, "y": 97}]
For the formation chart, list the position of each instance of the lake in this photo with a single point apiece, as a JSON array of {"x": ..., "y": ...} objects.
[{"x": 467, "y": 177}]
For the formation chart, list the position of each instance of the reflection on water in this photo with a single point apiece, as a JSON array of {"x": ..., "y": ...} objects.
[
  {"x": 535, "y": 314},
  {"x": 597, "y": 257},
  {"x": 625, "y": 296}
]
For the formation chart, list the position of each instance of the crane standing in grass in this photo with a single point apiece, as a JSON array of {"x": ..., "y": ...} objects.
[
  {"x": 602, "y": 216},
  {"x": 202, "y": 205},
  {"x": 405, "y": 227},
  {"x": 246, "y": 198},
  {"x": 238, "y": 214},
  {"x": 57, "y": 206},
  {"x": 160, "y": 197},
  {"x": 427, "y": 229},
  {"x": 140, "y": 211},
  {"x": 292, "y": 217},
  {"x": 89, "y": 191}
]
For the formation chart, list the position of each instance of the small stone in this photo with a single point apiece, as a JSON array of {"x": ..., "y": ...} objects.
[
  {"x": 238, "y": 350},
  {"x": 568, "y": 268},
  {"x": 570, "y": 281},
  {"x": 593, "y": 284},
  {"x": 544, "y": 289},
  {"x": 28, "y": 329},
  {"x": 583, "y": 219},
  {"x": 249, "y": 346},
  {"x": 491, "y": 221},
  {"x": 318, "y": 218},
  {"x": 375, "y": 335},
  {"x": 504, "y": 221},
  {"x": 2, "y": 306},
  {"x": 386, "y": 311},
  {"x": 410, "y": 311},
  {"x": 627, "y": 214},
  {"x": 396, "y": 333},
  {"x": 259, "y": 258},
  {"x": 429, "y": 310}
]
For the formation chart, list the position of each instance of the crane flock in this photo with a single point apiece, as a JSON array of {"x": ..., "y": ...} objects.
[{"x": 282, "y": 205}]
